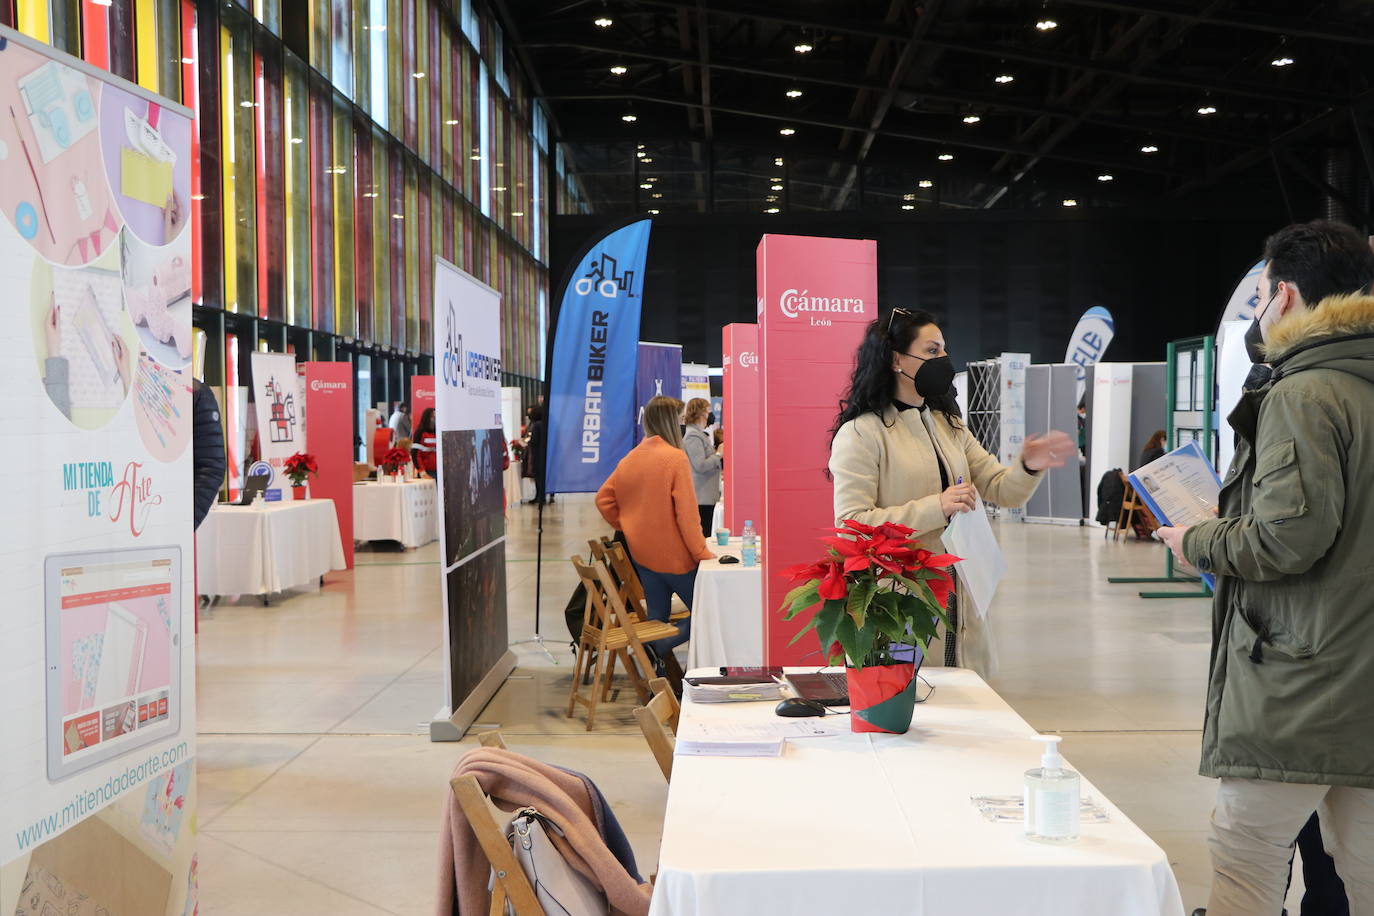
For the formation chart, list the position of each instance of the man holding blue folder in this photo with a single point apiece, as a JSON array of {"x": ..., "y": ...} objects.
[{"x": 1290, "y": 723}]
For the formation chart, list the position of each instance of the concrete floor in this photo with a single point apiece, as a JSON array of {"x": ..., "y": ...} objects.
[{"x": 320, "y": 791}]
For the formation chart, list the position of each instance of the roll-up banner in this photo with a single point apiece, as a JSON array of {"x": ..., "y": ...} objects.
[
  {"x": 1013, "y": 412},
  {"x": 591, "y": 412},
  {"x": 816, "y": 295},
  {"x": 472, "y": 535},
  {"x": 329, "y": 437},
  {"x": 696, "y": 381},
  {"x": 421, "y": 397},
  {"x": 97, "y": 633},
  {"x": 740, "y": 415},
  {"x": 281, "y": 419},
  {"x": 659, "y": 373}
]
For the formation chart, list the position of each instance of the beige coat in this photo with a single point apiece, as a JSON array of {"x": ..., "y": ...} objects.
[{"x": 885, "y": 471}]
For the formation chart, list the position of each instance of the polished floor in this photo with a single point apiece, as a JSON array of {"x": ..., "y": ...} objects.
[{"x": 320, "y": 791}]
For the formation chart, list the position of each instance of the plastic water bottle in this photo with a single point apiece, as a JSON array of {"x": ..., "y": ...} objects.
[{"x": 751, "y": 544}]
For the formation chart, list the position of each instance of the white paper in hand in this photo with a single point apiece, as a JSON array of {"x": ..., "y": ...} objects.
[{"x": 969, "y": 536}]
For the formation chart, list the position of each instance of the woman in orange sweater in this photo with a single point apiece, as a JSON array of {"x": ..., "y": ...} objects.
[{"x": 650, "y": 497}]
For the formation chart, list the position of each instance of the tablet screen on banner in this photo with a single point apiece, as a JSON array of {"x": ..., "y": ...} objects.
[{"x": 113, "y": 653}]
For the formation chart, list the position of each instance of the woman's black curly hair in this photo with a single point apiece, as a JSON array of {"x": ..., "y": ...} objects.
[{"x": 872, "y": 385}]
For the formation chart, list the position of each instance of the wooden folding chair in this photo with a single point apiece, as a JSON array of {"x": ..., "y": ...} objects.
[
  {"x": 1131, "y": 503},
  {"x": 660, "y": 685},
  {"x": 631, "y": 589},
  {"x": 511, "y": 887},
  {"x": 659, "y": 711},
  {"x": 492, "y": 737},
  {"x": 610, "y": 632}
]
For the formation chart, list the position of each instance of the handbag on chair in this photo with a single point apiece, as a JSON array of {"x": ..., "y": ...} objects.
[{"x": 561, "y": 889}]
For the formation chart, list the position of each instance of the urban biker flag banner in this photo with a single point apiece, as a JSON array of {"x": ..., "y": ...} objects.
[{"x": 591, "y": 410}]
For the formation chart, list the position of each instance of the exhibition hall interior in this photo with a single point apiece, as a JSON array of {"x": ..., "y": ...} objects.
[{"x": 687, "y": 457}]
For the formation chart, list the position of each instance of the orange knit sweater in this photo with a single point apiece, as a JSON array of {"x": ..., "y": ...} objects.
[{"x": 650, "y": 497}]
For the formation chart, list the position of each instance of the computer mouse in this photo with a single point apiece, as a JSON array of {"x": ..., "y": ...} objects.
[{"x": 800, "y": 706}]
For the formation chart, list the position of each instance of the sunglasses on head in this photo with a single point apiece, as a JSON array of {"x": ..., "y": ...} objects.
[{"x": 892, "y": 315}]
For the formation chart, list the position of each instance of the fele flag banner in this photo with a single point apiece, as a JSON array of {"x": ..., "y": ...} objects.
[
  {"x": 596, "y": 346},
  {"x": 659, "y": 373},
  {"x": 1094, "y": 332}
]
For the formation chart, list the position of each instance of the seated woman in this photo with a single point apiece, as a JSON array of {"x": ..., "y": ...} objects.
[
  {"x": 649, "y": 497},
  {"x": 900, "y": 453}
]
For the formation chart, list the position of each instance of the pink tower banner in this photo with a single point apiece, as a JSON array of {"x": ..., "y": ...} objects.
[
  {"x": 815, "y": 297},
  {"x": 743, "y": 435},
  {"x": 329, "y": 437},
  {"x": 421, "y": 396}
]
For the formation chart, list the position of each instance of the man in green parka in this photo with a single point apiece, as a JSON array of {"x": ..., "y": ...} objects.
[{"x": 1290, "y": 702}]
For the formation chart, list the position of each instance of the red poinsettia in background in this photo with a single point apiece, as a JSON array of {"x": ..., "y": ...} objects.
[
  {"x": 300, "y": 466},
  {"x": 876, "y": 588},
  {"x": 393, "y": 460}
]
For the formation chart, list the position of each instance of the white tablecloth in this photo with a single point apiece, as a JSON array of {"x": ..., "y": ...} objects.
[
  {"x": 718, "y": 518},
  {"x": 860, "y": 824},
  {"x": 270, "y": 547},
  {"x": 727, "y": 612},
  {"x": 405, "y": 512}
]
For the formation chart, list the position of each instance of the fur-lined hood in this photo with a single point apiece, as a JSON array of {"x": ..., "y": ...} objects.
[{"x": 1335, "y": 316}]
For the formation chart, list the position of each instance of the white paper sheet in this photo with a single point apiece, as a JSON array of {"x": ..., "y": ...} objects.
[
  {"x": 1181, "y": 487},
  {"x": 969, "y": 536}
]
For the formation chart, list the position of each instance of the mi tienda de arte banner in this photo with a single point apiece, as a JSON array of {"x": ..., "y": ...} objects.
[
  {"x": 280, "y": 412},
  {"x": 592, "y": 381},
  {"x": 472, "y": 533},
  {"x": 97, "y": 705}
]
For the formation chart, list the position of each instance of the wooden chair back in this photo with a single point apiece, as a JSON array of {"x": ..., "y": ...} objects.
[
  {"x": 492, "y": 737},
  {"x": 511, "y": 888},
  {"x": 1131, "y": 503},
  {"x": 660, "y": 685},
  {"x": 651, "y": 718}
]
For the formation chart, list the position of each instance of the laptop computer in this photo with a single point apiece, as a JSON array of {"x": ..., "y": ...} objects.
[
  {"x": 252, "y": 486},
  {"x": 831, "y": 688}
]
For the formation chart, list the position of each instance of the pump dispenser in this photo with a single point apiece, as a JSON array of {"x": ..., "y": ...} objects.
[{"x": 1052, "y": 801}]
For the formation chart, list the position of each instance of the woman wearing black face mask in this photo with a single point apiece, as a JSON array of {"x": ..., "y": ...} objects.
[{"x": 900, "y": 453}]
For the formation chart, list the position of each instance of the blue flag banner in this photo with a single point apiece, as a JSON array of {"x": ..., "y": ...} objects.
[
  {"x": 660, "y": 372},
  {"x": 591, "y": 409}
]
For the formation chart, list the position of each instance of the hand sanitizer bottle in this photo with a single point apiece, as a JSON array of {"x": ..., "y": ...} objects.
[
  {"x": 751, "y": 548},
  {"x": 1052, "y": 797}
]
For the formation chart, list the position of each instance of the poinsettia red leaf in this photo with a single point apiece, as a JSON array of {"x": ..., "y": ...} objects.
[
  {"x": 833, "y": 585},
  {"x": 895, "y": 531},
  {"x": 856, "y": 526},
  {"x": 941, "y": 589},
  {"x": 845, "y": 546},
  {"x": 942, "y": 560},
  {"x": 894, "y": 568},
  {"x": 854, "y": 564}
]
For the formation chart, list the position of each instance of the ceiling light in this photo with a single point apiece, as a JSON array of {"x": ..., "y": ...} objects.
[
  {"x": 245, "y": 104},
  {"x": 498, "y": 189},
  {"x": 1207, "y": 110},
  {"x": 418, "y": 74},
  {"x": 618, "y": 70},
  {"x": 475, "y": 158},
  {"x": 777, "y": 161},
  {"x": 802, "y": 47},
  {"x": 945, "y": 157},
  {"x": 297, "y": 139},
  {"x": 197, "y": 196},
  {"x": 925, "y": 183},
  {"x": 451, "y": 121},
  {"x": 1281, "y": 62},
  {"x": 518, "y": 213},
  {"x": 1047, "y": 25},
  {"x": 603, "y": 22},
  {"x": 379, "y": 28},
  {"x": 908, "y": 197},
  {"x": 629, "y": 118},
  {"x": 1149, "y": 148},
  {"x": 971, "y": 119},
  {"x": 787, "y": 131},
  {"x": 646, "y": 160},
  {"x": 772, "y": 210},
  {"x": 794, "y": 93},
  {"x": 1070, "y": 202},
  {"x": 656, "y": 195},
  {"x": 771, "y": 197},
  {"x": 398, "y": 216},
  {"x": 776, "y": 187},
  {"x": 1004, "y": 78},
  {"x": 1105, "y": 177},
  {"x": 651, "y": 180},
  {"x": 653, "y": 212},
  {"x": 640, "y": 152},
  {"x": 646, "y": 186},
  {"x": 908, "y": 206},
  {"x": 188, "y": 60}
]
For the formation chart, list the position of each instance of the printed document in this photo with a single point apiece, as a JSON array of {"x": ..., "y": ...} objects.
[{"x": 969, "y": 536}]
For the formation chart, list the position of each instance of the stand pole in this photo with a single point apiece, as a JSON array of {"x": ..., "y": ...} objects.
[{"x": 538, "y": 637}]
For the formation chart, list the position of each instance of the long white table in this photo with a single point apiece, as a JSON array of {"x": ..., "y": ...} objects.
[
  {"x": 727, "y": 612},
  {"x": 405, "y": 512},
  {"x": 865, "y": 823},
  {"x": 267, "y": 548}
]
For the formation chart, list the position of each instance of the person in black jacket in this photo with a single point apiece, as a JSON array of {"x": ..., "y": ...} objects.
[{"x": 207, "y": 447}]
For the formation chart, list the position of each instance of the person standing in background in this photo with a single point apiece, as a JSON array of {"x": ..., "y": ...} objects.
[
  {"x": 426, "y": 447},
  {"x": 400, "y": 421},
  {"x": 207, "y": 448},
  {"x": 696, "y": 442},
  {"x": 534, "y": 452}
]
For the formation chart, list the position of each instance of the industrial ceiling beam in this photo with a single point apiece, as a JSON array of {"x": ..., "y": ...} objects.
[{"x": 1251, "y": 21}]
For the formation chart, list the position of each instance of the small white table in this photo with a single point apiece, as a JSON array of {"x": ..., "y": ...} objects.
[
  {"x": 405, "y": 512},
  {"x": 267, "y": 548},
  {"x": 727, "y": 612},
  {"x": 865, "y": 823}
]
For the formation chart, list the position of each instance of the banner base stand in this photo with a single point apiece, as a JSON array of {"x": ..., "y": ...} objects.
[
  {"x": 451, "y": 726},
  {"x": 538, "y": 640},
  {"x": 1053, "y": 520}
]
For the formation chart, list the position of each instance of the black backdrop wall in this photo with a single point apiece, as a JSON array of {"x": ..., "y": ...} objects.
[{"x": 996, "y": 281}]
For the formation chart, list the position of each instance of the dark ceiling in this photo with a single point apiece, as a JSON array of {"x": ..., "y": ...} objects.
[{"x": 1182, "y": 101}]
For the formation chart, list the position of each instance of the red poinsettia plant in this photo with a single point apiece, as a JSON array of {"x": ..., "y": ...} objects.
[
  {"x": 876, "y": 589},
  {"x": 300, "y": 466},
  {"x": 393, "y": 459}
]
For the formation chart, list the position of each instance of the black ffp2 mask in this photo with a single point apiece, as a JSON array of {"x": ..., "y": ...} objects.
[
  {"x": 1254, "y": 336},
  {"x": 935, "y": 377}
]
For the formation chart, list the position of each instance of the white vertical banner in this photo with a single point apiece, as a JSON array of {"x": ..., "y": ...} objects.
[
  {"x": 1013, "y": 411},
  {"x": 696, "y": 381},
  {"x": 97, "y": 633},
  {"x": 280, "y": 413},
  {"x": 472, "y": 531},
  {"x": 1111, "y": 445}
]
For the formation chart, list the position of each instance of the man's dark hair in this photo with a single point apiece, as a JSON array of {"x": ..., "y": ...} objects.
[{"x": 1322, "y": 258}]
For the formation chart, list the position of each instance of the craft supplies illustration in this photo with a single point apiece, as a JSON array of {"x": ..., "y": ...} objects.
[
  {"x": 58, "y": 102},
  {"x": 163, "y": 404}
]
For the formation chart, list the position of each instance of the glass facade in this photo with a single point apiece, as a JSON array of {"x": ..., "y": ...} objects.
[{"x": 340, "y": 146}]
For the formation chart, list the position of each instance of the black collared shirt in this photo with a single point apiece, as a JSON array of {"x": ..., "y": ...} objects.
[{"x": 944, "y": 474}]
